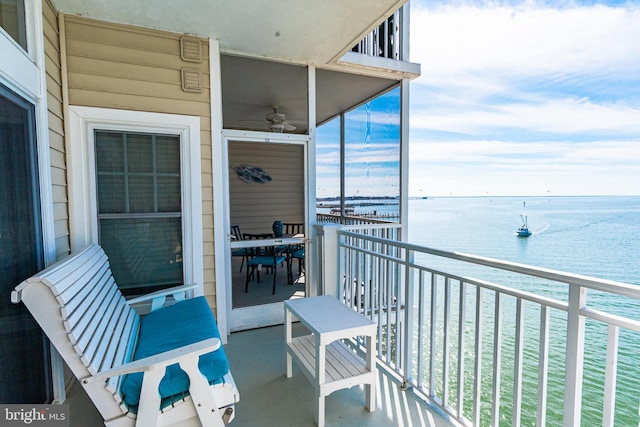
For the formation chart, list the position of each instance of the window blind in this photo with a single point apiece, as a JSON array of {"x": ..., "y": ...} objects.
[{"x": 139, "y": 208}]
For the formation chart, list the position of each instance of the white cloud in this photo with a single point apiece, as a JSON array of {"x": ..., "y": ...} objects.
[
  {"x": 514, "y": 168},
  {"x": 565, "y": 115},
  {"x": 495, "y": 76},
  {"x": 525, "y": 39}
]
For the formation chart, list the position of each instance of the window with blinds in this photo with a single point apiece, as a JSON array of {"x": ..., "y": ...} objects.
[{"x": 139, "y": 208}]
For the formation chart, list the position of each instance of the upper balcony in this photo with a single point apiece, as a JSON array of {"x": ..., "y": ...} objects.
[
  {"x": 386, "y": 47},
  {"x": 385, "y": 40}
]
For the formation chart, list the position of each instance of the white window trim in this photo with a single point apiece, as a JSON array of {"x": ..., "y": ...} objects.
[{"x": 83, "y": 212}]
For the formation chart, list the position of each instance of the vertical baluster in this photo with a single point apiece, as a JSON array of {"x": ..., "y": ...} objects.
[
  {"x": 432, "y": 338},
  {"x": 388, "y": 306},
  {"x": 409, "y": 319},
  {"x": 399, "y": 300},
  {"x": 371, "y": 43},
  {"x": 477, "y": 369},
  {"x": 462, "y": 322},
  {"x": 445, "y": 342},
  {"x": 342, "y": 267},
  {"x": 396, "y": 34},
  {"x": 421, "y": 308},
  {"x": 375, "y": 285},
  {"x": 379, "y": 304},
  {"x": 543, "y": 365},
  {"x": 497, "y": 357},
  {"x": 366, "y": 280},
  {"x": 517, "y": 368},
  {"x": 610, "y": 376},
  {"x": 348, "y": 275},
  {"x": 385, "y": 37},
  {"x": 357, "y": 277}
]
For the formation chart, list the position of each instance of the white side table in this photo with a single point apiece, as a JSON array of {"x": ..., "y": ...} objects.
[{"x": 327, "y": 361}]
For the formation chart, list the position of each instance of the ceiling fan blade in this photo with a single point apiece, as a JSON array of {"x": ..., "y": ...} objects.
[
  {"x": 275, "y": 117},
  {"x": 288, "y": 126}
]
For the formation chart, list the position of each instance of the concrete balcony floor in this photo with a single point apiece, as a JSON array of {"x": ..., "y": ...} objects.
[{"x": 268, "y": 398}]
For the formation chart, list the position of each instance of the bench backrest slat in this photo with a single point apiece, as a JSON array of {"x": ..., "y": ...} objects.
[
  {"x": 87, "y": 314},
  {"x": 58, "y": 279},
  {"x": 83, "y": 287},
  {"x": 108, "y": 347},
  {"x": 90, "y": 305},
  {"x": 120, "y": 350},
  {"x": 94, "y": 346}
]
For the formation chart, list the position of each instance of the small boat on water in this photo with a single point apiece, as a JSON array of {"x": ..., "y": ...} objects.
[{"x": 523, "y": 231}]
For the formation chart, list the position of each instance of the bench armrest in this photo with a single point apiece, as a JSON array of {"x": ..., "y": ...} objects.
[
  {"x": 158, "y": 361},
  {"x": 158, "y": 298}
]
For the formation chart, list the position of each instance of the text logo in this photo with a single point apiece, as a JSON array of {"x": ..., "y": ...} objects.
[{"x": 34, "y": 415}]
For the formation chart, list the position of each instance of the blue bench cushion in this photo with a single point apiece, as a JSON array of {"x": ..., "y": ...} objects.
[{"x": 168, "y": 328}]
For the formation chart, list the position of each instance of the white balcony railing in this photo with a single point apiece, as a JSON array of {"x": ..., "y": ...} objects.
[
  {"x": 385, "y": 40},
  {"x": 516, "y": 345}
]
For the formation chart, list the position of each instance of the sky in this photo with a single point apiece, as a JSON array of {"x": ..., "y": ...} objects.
[{"x": 525, "y": 98}]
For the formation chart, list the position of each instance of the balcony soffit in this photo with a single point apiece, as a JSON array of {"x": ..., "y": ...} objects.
[
  {"x": 304, "y": 31},
  {"x": 251, "y": 86}
]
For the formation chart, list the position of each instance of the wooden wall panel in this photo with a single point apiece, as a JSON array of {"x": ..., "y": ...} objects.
[
  {"x": 255, "y": 206},
  {"x": 56, "y": 127}
]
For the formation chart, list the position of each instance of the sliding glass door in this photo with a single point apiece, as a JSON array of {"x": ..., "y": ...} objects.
[{"x": 23, "y": 349}]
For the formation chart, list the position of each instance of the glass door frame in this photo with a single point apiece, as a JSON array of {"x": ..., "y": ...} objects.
[
  {"x": 260, "y": 315},
  {"x": 23, "y": 72}
]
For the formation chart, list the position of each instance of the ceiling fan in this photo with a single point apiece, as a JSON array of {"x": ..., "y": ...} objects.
[{"x": 277, "y": 121}]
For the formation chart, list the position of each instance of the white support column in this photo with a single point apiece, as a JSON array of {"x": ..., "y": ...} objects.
[
  {"x": 404, "y": 159},
  {"x": 574, "y": 356},
  {"x": 311, "y": 266},
  {"x": 404, "y": 30},
  {"x": 220, "y": 216},
  {"x": 330, "y": 261}
]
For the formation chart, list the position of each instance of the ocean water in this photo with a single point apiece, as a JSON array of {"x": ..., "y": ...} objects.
[{"x": 592, "y": 236}]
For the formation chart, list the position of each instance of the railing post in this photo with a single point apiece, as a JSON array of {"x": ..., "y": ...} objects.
[
  {"x": 574, "y": 356},
  {"x": 330, "y": 261},
  {"x": 409, "y": 319}
]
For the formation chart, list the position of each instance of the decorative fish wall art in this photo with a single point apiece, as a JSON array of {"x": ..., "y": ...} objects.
[{"x": 252, "y": 174}]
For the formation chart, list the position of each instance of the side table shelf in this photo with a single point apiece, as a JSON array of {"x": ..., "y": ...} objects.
[{"x": 343, "y": 367}]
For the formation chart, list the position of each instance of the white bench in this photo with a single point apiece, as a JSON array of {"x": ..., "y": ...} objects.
[{"x": 100, "y": 336}]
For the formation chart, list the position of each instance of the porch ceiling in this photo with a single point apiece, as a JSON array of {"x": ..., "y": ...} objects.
[
  {"x": 306, "y": 31},
  {"x": 261, "y": 42},
  {"x": 250, "y": 87}
]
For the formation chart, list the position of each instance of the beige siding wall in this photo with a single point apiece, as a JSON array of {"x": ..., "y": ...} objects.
[
  {"x": 254, "y": 206},
  {"x": 124, "y": 67},
  {"x": 56, "y": 127}
]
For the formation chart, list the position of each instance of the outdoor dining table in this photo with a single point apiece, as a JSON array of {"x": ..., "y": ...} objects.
[{"x": 287, "y": 241}]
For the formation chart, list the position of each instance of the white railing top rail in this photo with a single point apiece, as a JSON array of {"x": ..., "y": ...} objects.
[
  {"x": 604, "y": 285},
  {"x": 373, "y": 226}
]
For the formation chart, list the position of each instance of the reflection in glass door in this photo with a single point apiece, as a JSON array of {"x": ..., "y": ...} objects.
[
  {"x": 23, "y": 348},
  {"x": 266, "y": 186}
]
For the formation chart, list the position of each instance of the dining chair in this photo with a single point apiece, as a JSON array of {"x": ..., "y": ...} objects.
[
  {"x": 299, "y": 255},
  {"x": 259, "y": 257},
  {"x": 293, "y": 228},
  {"x": 236, "y": 235},
  {"x": 294, "y": 251}
]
